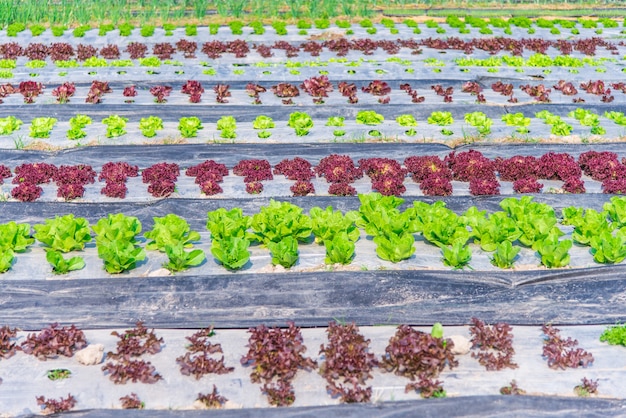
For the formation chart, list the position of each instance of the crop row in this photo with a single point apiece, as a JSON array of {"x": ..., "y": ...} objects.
[
  {"x": 68, "y": 54},
  {"x": 282, "y": 228},
  {"x": 274, "y": 356},
  {"x": 236, "y": 27},
  {"x": 387, "y": 176},
  {"x": 367, "y": 124}
]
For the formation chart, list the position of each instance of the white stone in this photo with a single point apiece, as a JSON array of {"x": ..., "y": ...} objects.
[
  {"x": 90, "y": 355},
  {"x": 462, "y": 345}
]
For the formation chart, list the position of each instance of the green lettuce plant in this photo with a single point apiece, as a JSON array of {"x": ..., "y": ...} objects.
[
  {"x": 189, "y": 126},
  {"x": 150, "y": 125}
]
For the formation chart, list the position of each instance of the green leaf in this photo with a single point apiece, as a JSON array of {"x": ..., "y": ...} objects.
[
  {"x": 440, "y": 118},
  {"x": 328, "y": 223},
  {"x": 179, "y": 259},
  {"x": 339, "y": 249},
  {"x": 263, "y": 122},
  {"x": 6, "y": 259},
  {"x": 284, "y": 252},
  {"x": 505, "y": 254},
  {"x": 608, "y": 249},
  {"x": 232, "y": 251},
  {"x": 189, "y": 126},
  {"x": 301, "y": 122},
  {"x": 170, "y": 230},
  {"x": 117, "y": 227},
  {"x": 65, "y": 233},
  {"x": 456, "y": 256},
  {"x": 280, "y": 220},
  {"x": 369, "y": 117},
  {"x": 224, "y": 224},
  {"x": 40, "y": 127},
  {"x": 15, "y": 237},
  {"x": 614, "y": 335},
  {"x": 554, "y": 253},
  {"x": 119, "y": 255},
  {"x": 406, "y": 120},
  {"x": 9, "y": 124},
  {"x": 437, "y": 330},
  {"x": 150, "y": 125},
  {"x": 62, "y": 266},
  {"x": 394, "y": 247}
]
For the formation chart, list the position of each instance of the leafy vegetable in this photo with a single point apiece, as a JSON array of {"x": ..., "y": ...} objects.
[
  {"x": 119, "y": 255},
  {"x": 284, "y": 252},
  {"x": 150, "y": 125},
  {"x": 505, "y": 255},
  {"x": 406, "y": 120},
  {"x": 393, "y": 247},
  {"x": 179, "y": 259},
  {"x": 116, "y": 126},
  {"x": 301, "y": 122},
  {"x": 441, "y": 118},
  {"x": 327, "y": 223},
  {"x": 227, "y": 126},
  {"x": 279, "y": 220},
  {"x": 554, "y": 253},
  {"x": 518, "y": 120},
  {"x": 189, "y": 126},
  {"x": 614, "y": 335},
  {"x": 170, "y": 230},
  {"x": 457, "y": 256},
  {"x": 77, "y": 124},
  {"x": 339, "y": 249},
  {"x": 15, "y": 237},
  {"x": 369, "y": 117},
  {"x": 480, "y": 121},
  {"x": 224, "y": 224},
  {"x": 231, "y": 251},
  {"x": 608, "y": 248},
  {"x": 263, "y": 122},
  {"x": 40, "y": 127},
  {"x": 62, "y": 266},
  {"x": 335, "y": 121},
  {"x": 66, "y": 233},
  {"x": 9, "y": 124}
]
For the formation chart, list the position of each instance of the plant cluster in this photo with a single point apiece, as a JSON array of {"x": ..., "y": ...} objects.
[
  {"x": 197, "y": 361},
  {"x": 419, "y": 356},
  {"x": 194, "y": 89},
  {"x": 171, "y": 234},
  {"x": 347, "y": 363},
  {"x": 189, "y": 126},
  {"x": 253, "y": 172},
  {"x": 160, "y": 93},
  {"x": 299, "y": 170},
  {"x": 387, "y": 175},
  {"x": 380, "y": 89},
  {"x": 54, "y": 406},
  {"x": 337, "y": 232},
  {"x": 586, "y": 388},
  {"x": 227, "y": 126},
  {"x": 116, "y": 242},
  {"x": 132, "y": 401},
  {"x": 28, "y": 177},
  {"x": 8, "y": 347},
  {"x": 77, "y": 125},
  {"x": 96, "y": 91},
  {"x": 614, "y": 335},
  {"x": 254, "y": 91},
  {"x": 276, "y": 355},
  {"x": 14, "y": 238},
  {"x": 54, "y": 341},
  {"x": 285, "y": 91},
  {"x": 115, "y": 175},
  {"x": 495, "y": 344},
  {"x": 61, "y": 235},
  {"x": 161, "y": 178},
  {"x": 133, "y": 343},
  {"x": 212, "y": 400},
  {"x": 40, "y": 127},
  {"x": 562, "y": 353},
  {"x": 64, "y": 92},
  {"x": 30, "y": 90},
  {"x": 208, "y": 175},
  {"x": 229, "y": 237},
  {"x": 348, "y": 90},
  {"x": 317, "y": 87}
]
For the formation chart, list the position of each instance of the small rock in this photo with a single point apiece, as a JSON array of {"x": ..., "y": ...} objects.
[
  {"x": 461, "y": 344},
  {"x": 90, "y": 355},
  {"x": 160, "y": 272}
]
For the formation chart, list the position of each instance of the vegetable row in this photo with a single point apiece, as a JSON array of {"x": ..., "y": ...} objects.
[
  {"x": 282, "y": 227},
  {"x": 433, "y": 174},
  {"x": 275, "y": 356},
  {"x": 302, "y": 27},
  {"x": 65, "y": 53},
  {"x": 368, "y": 124}
]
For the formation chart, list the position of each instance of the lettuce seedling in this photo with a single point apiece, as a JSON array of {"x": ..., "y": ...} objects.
[
  {"x": 614, "y": 335},
  {"x": 301, "y": 122},
  {"x": 15, "y": 237},
  {"x": 225, "y": 224},
  {"x": 65, "y": 233},
  {"x": 189, "y": 126},
  {"x": 589, "y": 226},
  {"x": 607, "y": 248},
  {"x": 117, "y": 227},
  {"x": 554, "y": 253},
  {"x": 456, "y": 256},
  {"x": 40, "y": 127},
  {"x": 232, "y": 251},
  {"x": 77, "y": 124},
  {"x": 518, "y": 120},
  {"x": 170, "y": 230},
  {"x": 150, "y": 125},
  {"x": 339, "y": 249},
  {"x": 480, "y": 121},
  {"x": 227, "y": 126},
  {"x": 280, "y": 220},
  {"x": 327, "y": 223},
  {"x": 395, "y": 247},
  {"x": 119, "y": 256},
  {"x": 62, "y": 266},
  {"x": 263, "y": 122},
  {"x": 441, "y": 118},
  {"x": 369, "y": 117},
  {"x": 505, "y": 255},
  {"x": 9, "y": 124},
  {"x": 498, "y": 228},
  {"x": 616, "y": 209},
  {"x": 284, "y": 252},
  {"x": 179, "y": 259},
  {"x": 116, "y": 126},
  {"x": 406, "y": 120}
]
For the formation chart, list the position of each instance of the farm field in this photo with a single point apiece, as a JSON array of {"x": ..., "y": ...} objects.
[{"x": 239, "y": 206}]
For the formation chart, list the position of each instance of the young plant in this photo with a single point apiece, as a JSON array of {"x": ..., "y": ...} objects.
[
  {"x": 554, "y": 253},
  {"x": 505, "y": 255},
  {"x": 495, "y": 344},
  {"x": 232, "y": 252},
  {"x": 189, "y": 126},
  {"x": 457, "y": 256},
  {"x": 150, "y": 125},
  {"x": 77, "y": 124},
  {"x": 263, "y": 123},
  {"x": 347, "y": 361},
  {"x": 339, "y": 249},
  {"x": 279, "y": 220},
  {"x": 53, "y": 406},
  {"x": 227, "y": 126},
  {"x": 518, "y": 120},
  {"x": 9, "y": 124},
  {"x": 614, "y": 335},
  {"x": 62, "y": 266},
  {"x": 300, "y": 122},
  {"x": 40, "y": 127},
  {"x": 197, "y": 361},
  {"x": 441, "y": 118},
  {"x": 586, "y": 388},
  {"x": 480, "y": 121},
  {"x": 179, "y": 259},
  {"x": 115, "y": 241},
  {"x": 561, "y": 353},
  {"x": 116, "y": 126},
  {"x": 369, "y": 117},
  {"x": 54, "y": 341},
  {"x": 275, "y": 356},
  {"x": 66, "y": 233},
  {"x": 170, "y": 230},
  {"x": 284, "y": 252}
]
